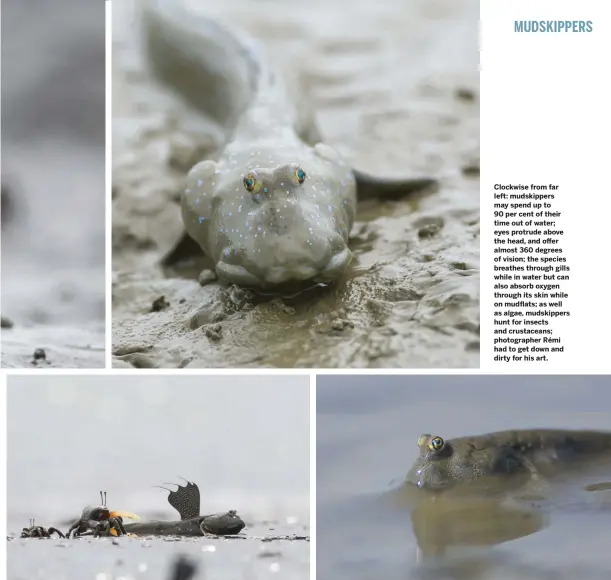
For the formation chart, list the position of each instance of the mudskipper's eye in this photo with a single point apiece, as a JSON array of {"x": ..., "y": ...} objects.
[
  {"x": 436, "y": 444},
  {"x": 423, "y": 439},
  {"x": 300, "y": 175},
  {"x": 250, "y": 183}
]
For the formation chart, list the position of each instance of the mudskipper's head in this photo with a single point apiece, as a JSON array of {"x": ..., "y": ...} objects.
[
  {"x": 434, "y": 467},
  {"x": 223, "y": 524},
  {"x": 271, "y": 222}
]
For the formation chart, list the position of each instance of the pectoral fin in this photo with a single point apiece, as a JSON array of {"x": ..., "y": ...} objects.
[
  {"x": 370, "y": 187},
  {"x": 184, "y": 248}
]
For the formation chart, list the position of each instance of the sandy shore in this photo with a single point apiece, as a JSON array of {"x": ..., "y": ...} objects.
[{"x": 53, "y": 284}]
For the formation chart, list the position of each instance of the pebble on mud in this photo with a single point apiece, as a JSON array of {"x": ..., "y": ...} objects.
[
  {"x": 206, "y": 277},
  {"x": 464, "y": 94},
  {"x": 214, "y": 332},
  {"x": 140, "y": 361},
  {"x": 39, "y": 356},
  {"x": 428, "y": 231},
  {"x": 470, "y": 170},
  {"x": 159, "y": 304},
  {"x": 429, "y": 226},
  {"x": 340, "y": 324}
]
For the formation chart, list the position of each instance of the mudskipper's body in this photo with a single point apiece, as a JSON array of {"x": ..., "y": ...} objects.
[
  {"x": 277, "y": 206},
  {"x": 446, "y": 463},
  {"x": 186, "y": 501}
]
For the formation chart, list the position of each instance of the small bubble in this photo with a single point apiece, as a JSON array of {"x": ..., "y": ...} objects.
[{"x": 200, "y": 182}]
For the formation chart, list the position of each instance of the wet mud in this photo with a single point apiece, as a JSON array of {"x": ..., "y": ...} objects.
[
  {"x": 396, "y": 92},
  {"x": 53, "y": 284}
]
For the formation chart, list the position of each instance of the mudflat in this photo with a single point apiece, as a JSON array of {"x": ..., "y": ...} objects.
[
  {"x": 53, "y": 283},
  {"x": 394, "y": 96}
]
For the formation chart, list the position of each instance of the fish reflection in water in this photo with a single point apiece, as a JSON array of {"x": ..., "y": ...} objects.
[{"x": 495, "y": 510}]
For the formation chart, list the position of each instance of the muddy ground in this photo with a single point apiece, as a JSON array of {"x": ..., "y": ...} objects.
[
  {"x": 53, "y": 285},
  {"x": 396, "y": 91}
]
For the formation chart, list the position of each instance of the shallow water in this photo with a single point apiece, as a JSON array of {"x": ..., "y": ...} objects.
[
  {"x": 53, "y": 168},
  {"x": 244, "y": 441},
  {"x": 396, "y": 91},
  {"x": 369, "y": 526}
]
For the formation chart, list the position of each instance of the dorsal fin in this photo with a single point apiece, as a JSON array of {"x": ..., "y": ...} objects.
[
  {"x": 372, "y": 187},
  {"x": 185, "y": 500}
]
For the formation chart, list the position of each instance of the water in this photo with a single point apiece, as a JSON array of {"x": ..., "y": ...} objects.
[
  {"x": 243, "y": 440},
  {"x": 368, "y": 526}
]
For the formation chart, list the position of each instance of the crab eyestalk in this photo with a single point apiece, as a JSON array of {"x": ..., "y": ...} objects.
[{"x": 118, "y": 514}]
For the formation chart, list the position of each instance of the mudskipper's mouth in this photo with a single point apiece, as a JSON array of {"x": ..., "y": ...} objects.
[{"x": 283, "y": 274}]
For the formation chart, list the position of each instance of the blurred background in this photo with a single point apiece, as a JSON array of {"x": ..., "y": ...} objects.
[
  {"x": 53, "y": 112},
  {"x": 245, "y": 441}
]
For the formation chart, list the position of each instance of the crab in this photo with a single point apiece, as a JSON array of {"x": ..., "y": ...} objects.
[
  {"x": 35, "y": 531},
  {"x": 100, "y": 520}
]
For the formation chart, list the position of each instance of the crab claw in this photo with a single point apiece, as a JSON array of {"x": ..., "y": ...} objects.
[{"x": 123, "y": 514}]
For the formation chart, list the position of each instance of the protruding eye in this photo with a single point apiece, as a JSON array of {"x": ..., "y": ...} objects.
[
  {"x": 300, "y": 175},
  {"x": 436, "y": 444},
  {"x": 250, "y": 183},
  {"x": 423, "y": 439}
]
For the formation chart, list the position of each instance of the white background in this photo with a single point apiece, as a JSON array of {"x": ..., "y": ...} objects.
[{"x": 546, "y": 118}]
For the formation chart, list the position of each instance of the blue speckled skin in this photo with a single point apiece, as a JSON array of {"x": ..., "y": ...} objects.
[{"x": 284, "y": 231}]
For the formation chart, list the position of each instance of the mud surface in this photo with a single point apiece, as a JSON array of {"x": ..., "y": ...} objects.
[
  {"x": 396, "y": 91},
  {"x": 244, "y": 441},
  {"x": 370, "y": 525},
  {"x": 53, "y": 284}
]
